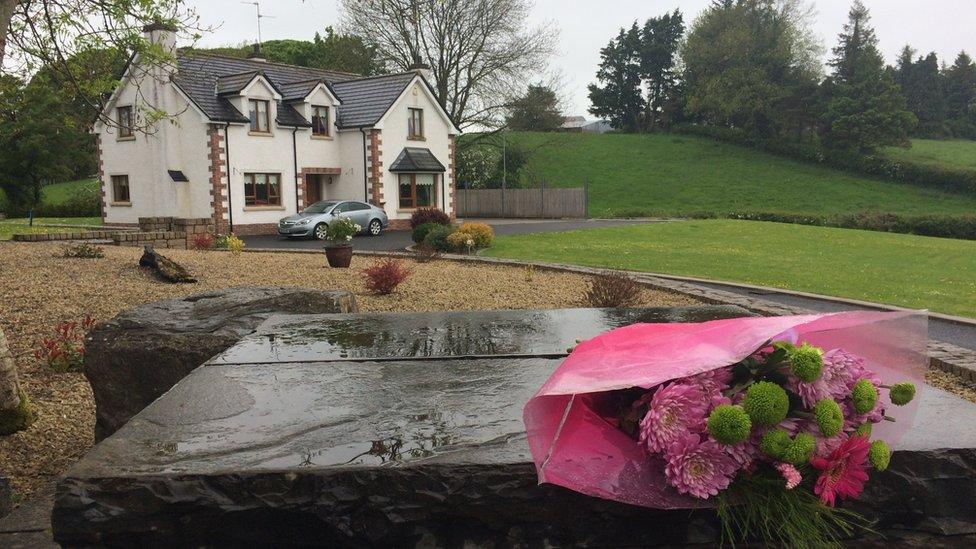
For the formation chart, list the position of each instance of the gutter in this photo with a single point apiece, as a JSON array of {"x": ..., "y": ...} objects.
[
  {"x": 362, "y": 130},
  {"x": 230, "y": 203},
  {"x": 294, "y": 153}
]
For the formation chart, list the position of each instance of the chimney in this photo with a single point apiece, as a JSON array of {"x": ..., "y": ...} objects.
[
  {"x": 423, "y": 70},
  {"x": 164, "y": 35},
  {"x": 256, "y": 54}
]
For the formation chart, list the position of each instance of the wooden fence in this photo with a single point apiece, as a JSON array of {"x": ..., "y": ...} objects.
[{"x": 541, "y": 202}]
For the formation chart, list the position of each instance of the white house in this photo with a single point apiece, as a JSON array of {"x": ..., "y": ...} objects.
[{"x": 249, "y": 142}]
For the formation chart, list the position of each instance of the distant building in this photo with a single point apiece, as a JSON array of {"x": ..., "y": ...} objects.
[{"x": 579, "y": 124}]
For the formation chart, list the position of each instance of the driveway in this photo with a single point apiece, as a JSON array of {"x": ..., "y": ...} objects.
[{"x": 398, "y": 240}]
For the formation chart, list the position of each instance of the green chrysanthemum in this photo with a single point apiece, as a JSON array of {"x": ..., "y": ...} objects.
[
  {"x": 829, "y": 417},
  {"x": 806, "y": 362},
  {"x": 766, "y": 403},
  {"x": 879, "y": 455},
  {"x": 799, "y": 450},
  {"x": 902, "y": 393},
  {"x": 864, "y": 395},
  {"x": 774, "y": 443},
  {"x": 729, "y": 424},
  {"x": 863, "y": 429}
]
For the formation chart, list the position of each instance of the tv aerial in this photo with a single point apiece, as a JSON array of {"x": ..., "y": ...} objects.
[{"x": 257, "y": 6}]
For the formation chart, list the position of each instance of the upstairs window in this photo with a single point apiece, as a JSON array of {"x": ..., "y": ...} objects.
[
  {"x": 124, "y": 119},
  {"x": 260, "y": 116},
  {"x": 262, "y": 189},
  {"x": 320, "y": 120},
  {"x": 415, "y": 126},
  {"x": 120, "y": 189}
]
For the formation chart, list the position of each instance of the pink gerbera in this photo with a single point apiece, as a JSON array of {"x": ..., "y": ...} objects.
[
  {"x": 674, "y": 410},
  {"x": 698, "y": 468},
  {"x": 843, "y": 471}
]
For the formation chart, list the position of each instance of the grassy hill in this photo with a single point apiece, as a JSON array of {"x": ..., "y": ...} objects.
[
  {"x": 950, "y": 153},
  {"x": 662, "y": 174}
]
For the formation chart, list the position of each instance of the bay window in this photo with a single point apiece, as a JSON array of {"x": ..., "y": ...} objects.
[{"x": 418, "y": 190}]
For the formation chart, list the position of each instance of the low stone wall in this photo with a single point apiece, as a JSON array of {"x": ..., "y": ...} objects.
[
  {"x": 76, "y": 235},
  {"x": 156, "y": 239},
  {"x": 200, "y": 225}
]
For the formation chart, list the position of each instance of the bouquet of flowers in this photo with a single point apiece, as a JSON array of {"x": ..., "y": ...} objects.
[{"x": 772, "y": 421}]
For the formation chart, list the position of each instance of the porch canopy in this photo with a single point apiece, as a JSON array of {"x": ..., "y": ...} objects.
[{"x": 416, "y": 159}]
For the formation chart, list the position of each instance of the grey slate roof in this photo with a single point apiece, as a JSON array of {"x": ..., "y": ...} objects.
[
  {"x": 207, "y": 78},
  {"x": 416, "y": 159},
  {"x": 366, "y": 100}
]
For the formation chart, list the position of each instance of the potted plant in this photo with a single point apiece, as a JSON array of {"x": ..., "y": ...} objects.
[{"x": 339, "y": 235}]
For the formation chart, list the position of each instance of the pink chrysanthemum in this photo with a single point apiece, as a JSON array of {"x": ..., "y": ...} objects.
[
  {"x": 744, "y": 454},
  {"x": 698, "y": 468},
  {"x": 714, "y": 381},
  {"x": 674, "y": 411},
  {"x": 790, "y": 474},
  {"x": 835, "y": 381},
  {"x": 824, "y": 445},
  {"x": 843, "y": 471}
]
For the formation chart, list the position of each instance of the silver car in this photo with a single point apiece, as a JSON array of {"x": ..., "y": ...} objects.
[{"x": 314, "y": 220}]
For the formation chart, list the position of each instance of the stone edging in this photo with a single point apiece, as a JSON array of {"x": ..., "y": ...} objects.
[{"x": 947, "y": 357}]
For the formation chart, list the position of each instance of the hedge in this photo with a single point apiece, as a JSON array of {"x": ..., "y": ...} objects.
[{"x": 956, "y": 181}]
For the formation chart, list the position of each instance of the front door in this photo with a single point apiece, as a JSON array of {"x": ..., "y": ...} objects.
[{"x": 314, "y": 188}]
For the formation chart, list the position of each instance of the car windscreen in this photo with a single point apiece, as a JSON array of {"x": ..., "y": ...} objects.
[{"x": 320, "y": 207}]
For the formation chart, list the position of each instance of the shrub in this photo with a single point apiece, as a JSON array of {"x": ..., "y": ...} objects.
[
  {"x": 613, "y": 290},
  {"x": 83, "y": 250},
  {"x": 342, "y": 231},
  {"x": 420, "y": 231},
  {"x": 203, "y": 241},
  {"x": 383, "y": 277},
  {"x": 429, "y": 215},
  {"x": 65, "y": 350},
  {"x": 220, "y": 242},
  {"x": 437, "y": 238},
  {"x": 425, "y": 253},
  {"x": 234, "y": 244},
  {"x": 461, "y": 242},
  {"x": 482, "y": 233}
]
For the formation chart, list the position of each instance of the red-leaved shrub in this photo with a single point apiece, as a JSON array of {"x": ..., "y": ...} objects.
[
  {"x": 65, "y": 351},
  {"x": 429, "y": 215},
  {"x": 203, "y": 241},
  {"x": 613, "y": 290},
  {"x": 383, "y": 277}
]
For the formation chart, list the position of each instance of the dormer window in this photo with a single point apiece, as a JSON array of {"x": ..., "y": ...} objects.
[
  {"x": 260, "y": 113},
  {"x": 415, "y": 125},
  {"x": 123, "y": 118},
  {"x": 320, "y": 121}
]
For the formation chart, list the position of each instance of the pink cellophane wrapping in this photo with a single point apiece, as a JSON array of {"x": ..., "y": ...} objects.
[{"x": 574, "y": 447}]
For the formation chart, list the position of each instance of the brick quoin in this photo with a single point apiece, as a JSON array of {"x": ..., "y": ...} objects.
[
  {"x": 375, "y": 165},
  {"x": 215, "y": 153},
  {"x": 452, "y": 186},
  {"x": 101, "y": 175}
]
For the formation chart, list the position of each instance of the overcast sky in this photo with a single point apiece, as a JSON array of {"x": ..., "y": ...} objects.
[{"x": 942, "y": 26}]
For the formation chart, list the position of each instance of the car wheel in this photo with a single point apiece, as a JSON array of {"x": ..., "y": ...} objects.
[
  {"x": 375, "y": 227},
  {"x": 319, "y": 231}
]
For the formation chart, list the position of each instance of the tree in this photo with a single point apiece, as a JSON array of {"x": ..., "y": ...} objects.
[
  {"x": 865, "y": 108},
  {"x": 658, "y": 59},
  {"x": 750, "y": 64},
  {"x": 960, "y": 83},
  {"x": 620, "y": 98},
  {"x": 536, "y": 111},
  {"x": 480, "y": 52},
  {"x": 922, "y": 85},
  {"x": 50, "y": 34}
]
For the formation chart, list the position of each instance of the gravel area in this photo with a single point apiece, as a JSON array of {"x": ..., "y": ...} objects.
[{"x": 40, "y": 290}]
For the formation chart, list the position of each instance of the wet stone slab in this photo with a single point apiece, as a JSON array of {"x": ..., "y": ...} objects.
[{"x": 407, "y": 452}]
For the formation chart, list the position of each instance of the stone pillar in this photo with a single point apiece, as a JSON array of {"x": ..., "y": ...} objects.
[
  {"x": 219, "y": 179},
  {"x": 375, "y": 168},
  {"x": 452, "y": 178}
]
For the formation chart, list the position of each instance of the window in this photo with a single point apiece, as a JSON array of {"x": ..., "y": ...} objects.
[
  {"x": 120, "y": 188},
  {"x": 415, "y": 126},
  {"x": 124, "y": 120},
  {"x": 260, "y": 117},
  {"x": 418, "y": 190},
  {"x": 262, "y": 189},
  {"x": 320, "y": 120}
]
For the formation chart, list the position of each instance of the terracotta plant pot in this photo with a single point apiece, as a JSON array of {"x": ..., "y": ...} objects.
[{"x": 339, "y": 256}]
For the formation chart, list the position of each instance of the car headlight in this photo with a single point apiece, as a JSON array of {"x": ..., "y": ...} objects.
[{"x": 305, "y": 221}]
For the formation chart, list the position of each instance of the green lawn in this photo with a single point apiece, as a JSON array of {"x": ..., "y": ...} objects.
[
  {"x": 949, "y": 153},
  {"x": 667, "y": 174},
  {"x": 10, "y": 226},
  {"x": 907, "y": 270},
  {"x": 58, "y": 193}
]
